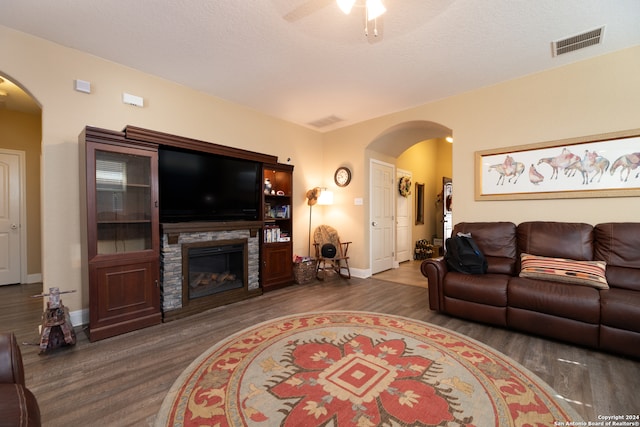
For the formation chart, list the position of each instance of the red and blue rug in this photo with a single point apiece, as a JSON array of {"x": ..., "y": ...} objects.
[{"x": 357, "y": 369}]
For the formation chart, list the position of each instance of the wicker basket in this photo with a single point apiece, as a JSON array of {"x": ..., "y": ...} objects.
[{"x": 304, "y": 272}]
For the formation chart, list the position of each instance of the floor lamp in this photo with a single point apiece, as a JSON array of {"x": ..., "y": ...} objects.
[{"x": 320, "y": 196}]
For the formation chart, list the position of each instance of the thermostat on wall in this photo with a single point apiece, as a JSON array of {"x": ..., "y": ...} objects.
[{"x": 138, "y": 101}]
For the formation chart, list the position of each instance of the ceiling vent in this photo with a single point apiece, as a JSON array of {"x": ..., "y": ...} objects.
[
  {"x": 326, "y": 121},
  {"x": 580, "y": 41}
]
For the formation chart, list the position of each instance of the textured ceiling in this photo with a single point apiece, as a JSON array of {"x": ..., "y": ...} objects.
[{"x": 303, "y": 60}]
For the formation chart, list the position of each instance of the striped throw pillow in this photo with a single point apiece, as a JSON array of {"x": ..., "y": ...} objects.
[{"x": 587, "y": 273}]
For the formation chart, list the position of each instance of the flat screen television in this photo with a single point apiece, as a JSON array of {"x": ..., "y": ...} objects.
[{"x": 198, "y": 186}]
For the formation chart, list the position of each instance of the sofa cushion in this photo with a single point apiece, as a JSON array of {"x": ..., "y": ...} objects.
[
  {"x": 621, "y": 309},
  {"x": 580, "y": 303},
  {"x": 587, "y": 273},
  {"x": 496, "y": 240},
  {"x": 557, "y": 327},
  {"x": 556, "y": 239},
  {"x": 488, "y": 289},
  {"x": 617, "y": 245},
  {"x": 482, "y": 313}
]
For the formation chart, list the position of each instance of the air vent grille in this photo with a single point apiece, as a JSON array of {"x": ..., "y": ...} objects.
[
  {"x": 326, "y": 121},
  {"x": 580, "y": 41}
]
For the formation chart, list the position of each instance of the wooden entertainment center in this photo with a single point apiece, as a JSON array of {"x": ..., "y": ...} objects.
[{"x": 124, "y": 240}]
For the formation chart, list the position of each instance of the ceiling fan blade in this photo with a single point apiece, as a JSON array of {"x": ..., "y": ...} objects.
[{"x": 305, "y": 9}]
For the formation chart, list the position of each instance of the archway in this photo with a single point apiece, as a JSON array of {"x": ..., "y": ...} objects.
[
  {"x": 429, "y": 162},
  {"x": 21, "y": 123},
  {"x": 397, "y": 139}
]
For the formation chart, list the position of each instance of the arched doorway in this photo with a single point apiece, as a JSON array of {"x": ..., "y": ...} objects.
[
  {"x": 426, "y": 166},
  {"x": 21, "y": 136}
]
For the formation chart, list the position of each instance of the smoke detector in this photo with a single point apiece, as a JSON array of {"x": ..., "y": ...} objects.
[{"x": 580, "y": 41}]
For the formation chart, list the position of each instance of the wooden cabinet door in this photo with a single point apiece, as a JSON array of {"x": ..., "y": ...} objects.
[
  {"x": 124, "y": 297},
  {"x": 277, "y": 265},
  {"x": 122, "y": 197}
]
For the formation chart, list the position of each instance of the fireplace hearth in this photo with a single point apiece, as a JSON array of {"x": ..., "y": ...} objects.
[
  {"x": 206, "y": 265},
  {"x": 213, "y": 267}
]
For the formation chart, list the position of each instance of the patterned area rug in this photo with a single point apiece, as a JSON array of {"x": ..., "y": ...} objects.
[{"x": 357, "y": 369}]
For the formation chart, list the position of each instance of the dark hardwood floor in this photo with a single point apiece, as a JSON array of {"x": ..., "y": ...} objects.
[{"x": 122, "y": 381}]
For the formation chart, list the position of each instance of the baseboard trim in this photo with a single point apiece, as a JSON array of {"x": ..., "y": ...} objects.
[
  {"x": 34, "y": 278},
  {"x": 360, "y": 273},
  {"x": 79, "y": 317}
]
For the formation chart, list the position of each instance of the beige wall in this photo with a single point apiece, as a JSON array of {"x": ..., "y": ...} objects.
[
  {"x": 594, "y": 96},
  {"x": 428, "y": 161},
  {"x": 47, "y": 71},
  {"x": 22, "y": 132}
]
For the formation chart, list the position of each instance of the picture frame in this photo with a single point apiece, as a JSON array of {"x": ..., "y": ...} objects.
[
  {"x": 419, "y": 203},
  {"x": 604, "y": 165}
]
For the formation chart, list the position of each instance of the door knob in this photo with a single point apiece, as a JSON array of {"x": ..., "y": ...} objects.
[
  {"x": 14, "y": 227},
  {"x": 374, "y": 223}
]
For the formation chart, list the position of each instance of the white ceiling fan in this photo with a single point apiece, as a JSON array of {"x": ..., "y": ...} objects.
[
  {"x": 373, "y": 9},
  {"x": 372, "y": 12}
]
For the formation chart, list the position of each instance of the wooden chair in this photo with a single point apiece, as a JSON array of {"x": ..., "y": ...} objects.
[{"x": 339, "y": 262}]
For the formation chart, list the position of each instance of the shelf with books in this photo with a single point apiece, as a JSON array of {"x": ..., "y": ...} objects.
[
  {"x": 276, "y": 211},
  {"x": 277, "y": 249}
]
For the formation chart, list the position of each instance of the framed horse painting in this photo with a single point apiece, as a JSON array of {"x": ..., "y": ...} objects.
[{"x": 606, "y": 165}]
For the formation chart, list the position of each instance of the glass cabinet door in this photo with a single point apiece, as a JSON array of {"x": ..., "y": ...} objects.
[{"x": 123, "y": 202}]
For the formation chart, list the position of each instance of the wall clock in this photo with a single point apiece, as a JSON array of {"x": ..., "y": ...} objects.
[{"x": 342, "y": 176}]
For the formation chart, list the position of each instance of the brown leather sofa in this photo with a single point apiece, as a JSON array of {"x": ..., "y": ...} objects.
[
  {"x": 606, "y": 319},
  {"x": 18, "y": 406}
]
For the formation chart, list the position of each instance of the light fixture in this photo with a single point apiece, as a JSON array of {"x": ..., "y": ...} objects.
[
  {"x": 326, "y": 197},
  {"x": 346, "y": 5},
  {"x": 373, "y": 10},
  {"x": 449, "y": 139}
]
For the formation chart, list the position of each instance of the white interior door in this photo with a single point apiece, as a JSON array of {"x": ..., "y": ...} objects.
[
  {"x": 10, "y": 229},
  {"x": 403, "y": 222},
  {"x": 382, "y": 216}
]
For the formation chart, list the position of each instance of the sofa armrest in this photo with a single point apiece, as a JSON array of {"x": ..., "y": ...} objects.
[
  {"x": 434, "y": 269},
  {"x": 11, "y": 369},
  {"x": 18, "y": 406}
]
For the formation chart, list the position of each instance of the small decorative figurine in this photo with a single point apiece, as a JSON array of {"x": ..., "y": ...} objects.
[{"x": 57, "y": 329}]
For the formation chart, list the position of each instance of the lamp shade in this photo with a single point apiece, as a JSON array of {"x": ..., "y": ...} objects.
[{"x": 326, "y": 197}]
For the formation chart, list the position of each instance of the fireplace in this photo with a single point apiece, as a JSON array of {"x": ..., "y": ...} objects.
[
  {"x": 213, "y": 267},
  {"x": 207, "y": 265}
]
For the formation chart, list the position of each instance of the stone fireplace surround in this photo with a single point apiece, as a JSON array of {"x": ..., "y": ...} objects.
[{"x": 174, "y": 235}]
